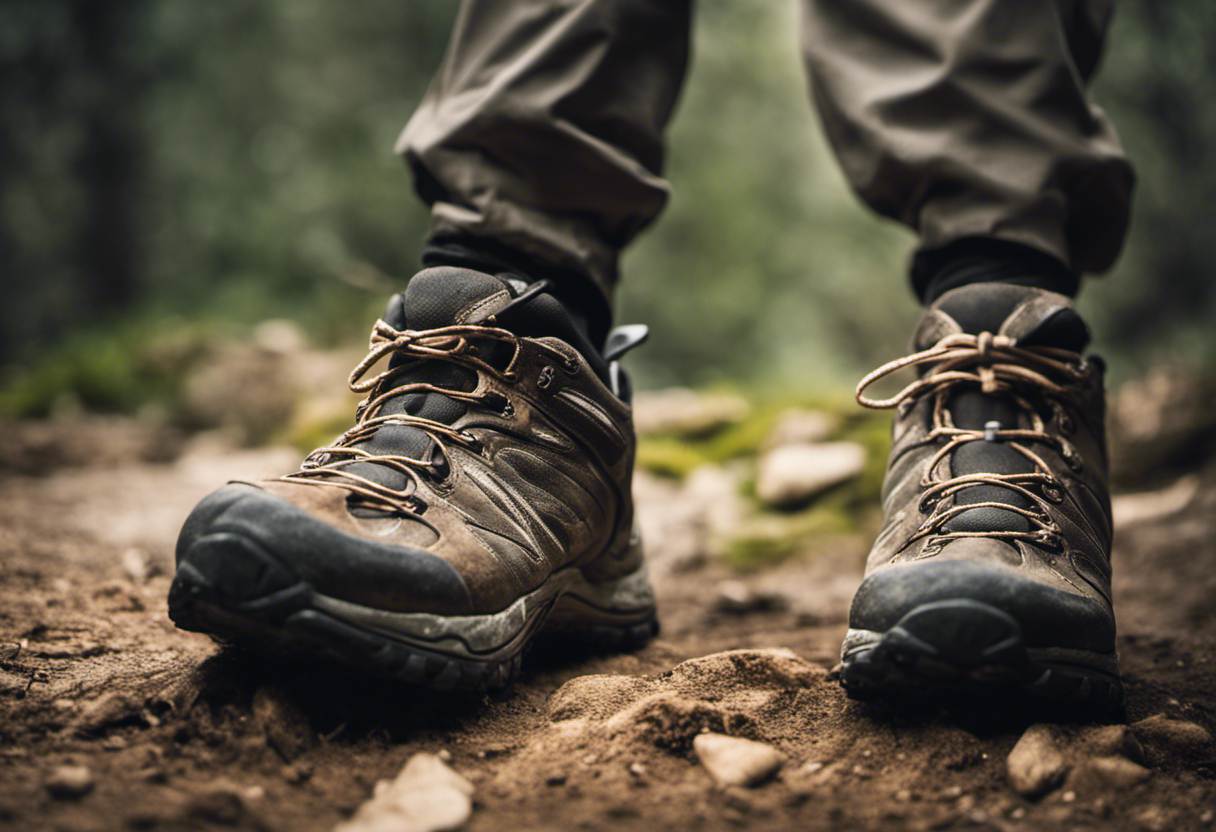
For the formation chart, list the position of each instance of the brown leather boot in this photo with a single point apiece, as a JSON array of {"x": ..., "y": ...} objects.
[
  {"x": 992, "y": 570},
  {"x": 482, "y": 495}
]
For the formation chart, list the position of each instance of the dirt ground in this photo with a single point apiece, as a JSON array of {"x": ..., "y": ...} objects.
[{"x": 177, "y": 735}]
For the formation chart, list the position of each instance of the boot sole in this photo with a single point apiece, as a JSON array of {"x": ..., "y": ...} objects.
[
  {"x": 960, "y": 648},
  {"x": 465, "y": 652}
]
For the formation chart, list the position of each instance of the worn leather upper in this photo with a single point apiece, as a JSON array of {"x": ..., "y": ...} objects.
[
  {"x": 479, "y": 453},
  {"x": 1017, "y": 514}
]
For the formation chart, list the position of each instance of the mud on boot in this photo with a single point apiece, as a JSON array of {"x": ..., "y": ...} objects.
[
  {"x": 992, "y": 570},
  {"x": 482, "y": 494}
]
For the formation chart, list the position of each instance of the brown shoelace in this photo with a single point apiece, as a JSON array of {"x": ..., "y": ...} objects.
[
  {"x": 997, "y": 365},
  {"x": 327, "y": 466}
]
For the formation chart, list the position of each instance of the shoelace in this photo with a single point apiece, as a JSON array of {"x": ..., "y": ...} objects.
[
  {"x": 327, "y": 466},
  {"x": 997, "y": 365}
]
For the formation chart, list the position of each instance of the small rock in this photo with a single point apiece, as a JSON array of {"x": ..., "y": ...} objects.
[
  {"x": 1130, "y": 509},
  {"x": 800, "y": 427},
  {"x": 1174, "y": 735},
  {"x": 69, "y": 782},
  {"x": 426, "y": 796},
  {"x": 793, "y": 474},
  {"x": 285, "y": 726},
  {"x": 1112, "y": 740},
  {"x": 733, "y": 761},
  {"x": 1116, "y": 772},
  {"x": 280, "y": 336},
  {"x": 108, "y": 709},
  {"x": 679, "y": 411},
  {"x": 1035, "y": 765},
  {"x": 139, "y": 565}
]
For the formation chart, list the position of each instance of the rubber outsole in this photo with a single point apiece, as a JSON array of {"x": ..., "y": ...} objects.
[
  {"x": 960, "y": 648},
  {"x": 298, "y": 623}
]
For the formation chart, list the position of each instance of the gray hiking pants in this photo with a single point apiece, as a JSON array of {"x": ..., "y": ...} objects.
[{"x": 543, "y": 129}]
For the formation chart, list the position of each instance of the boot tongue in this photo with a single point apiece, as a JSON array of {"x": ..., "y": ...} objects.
[
  {"x": 1035, "y": 317},
  {"x": 434, "y": 298}
]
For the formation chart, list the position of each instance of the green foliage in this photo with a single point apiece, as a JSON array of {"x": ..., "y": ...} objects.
[
  {"x": 768, "y": 536},
  {"x": 769, "y": 539},
  {"x": 231, "y": 162},
  {"x": 121, "y": 369}
]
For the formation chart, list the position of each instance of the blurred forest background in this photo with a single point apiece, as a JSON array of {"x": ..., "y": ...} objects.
[{"x": 175, "y": 172}]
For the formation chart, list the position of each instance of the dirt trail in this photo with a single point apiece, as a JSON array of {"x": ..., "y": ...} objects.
[{"x": 175, "y": 735}]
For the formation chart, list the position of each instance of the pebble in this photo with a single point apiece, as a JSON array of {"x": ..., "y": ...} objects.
[
  {"x": 285, "y": 726},
  {"x": 1117, "y": 772},
  {"x": 1175, "y": 735},
  {"x": 680, "y": 411},
  {"x": 137, "y": 565},
  {"x": 1112, "y": 740},
  {"x": 733, "y": 761},
  {"x": 793, "y": 474},
  {"x": 106, "y": 710},
  {"x": 69, "y": 782},
  {"x": 799, "y": 427},
  {"x": 426, "y": 796},
  {"x": 1035, "y": 765}
]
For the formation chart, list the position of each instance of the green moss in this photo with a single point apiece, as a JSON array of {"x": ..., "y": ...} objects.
[
  {"x": 668, "y": 457},
  {"x": 769, "y": 539},
  {"x": 308, "y": 435},
  {"x": 115, "y": 370},
  {"x": 871, "y": 430}
]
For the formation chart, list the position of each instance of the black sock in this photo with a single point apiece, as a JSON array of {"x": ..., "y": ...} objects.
[
  {"x": 576, "y": 291},
  {"x": 988, "y": 260}
]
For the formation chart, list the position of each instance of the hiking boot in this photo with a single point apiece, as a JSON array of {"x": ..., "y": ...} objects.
[
  {"x": 992, "y": 569},
  {"x": 482, "y": 495}
]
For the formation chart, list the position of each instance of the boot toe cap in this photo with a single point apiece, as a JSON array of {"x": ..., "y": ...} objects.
[
  {"x": 242, "y": 544},
  {"x": 1048, "y": 617}
]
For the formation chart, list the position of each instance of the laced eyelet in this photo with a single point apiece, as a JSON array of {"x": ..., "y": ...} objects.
[
  {"x": 1050, "y": 540},
  {"x": 931, "y": 547},
  {"x": 546, "y": 377},
  {"x": 1071, "y": 457},
  {"x": 1053, "y": 492},
  {"x": 470, "y": 440},
  {"x": 510, "y": 376},
  {"x": 928, "y": 502}
]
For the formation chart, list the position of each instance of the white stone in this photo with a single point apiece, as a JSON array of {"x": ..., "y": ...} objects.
[
  {"x": 1175, "y": 735},
  {"x": 679, "y": 411},
  {"x": 734, "y": 761},
  {"x": 800, "y": 427},
  {"x": 69, "y": 782},
  {"x": 1117, "y": 772},
  {"x": 1035, "y": 765},
  {"x": 792, "y": 474},
  {"x": 426, "y": 796}
]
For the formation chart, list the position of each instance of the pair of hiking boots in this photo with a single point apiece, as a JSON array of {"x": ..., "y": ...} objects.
[{"x": 483, "y": 496}]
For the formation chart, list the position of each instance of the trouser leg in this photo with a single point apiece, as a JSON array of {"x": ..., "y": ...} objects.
[
  {"x": 541, "y": 136},
  {"x": 969, "y": 122}
]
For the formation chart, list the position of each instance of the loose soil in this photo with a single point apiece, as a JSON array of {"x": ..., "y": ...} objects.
[{"x": 177, "y": 734}]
